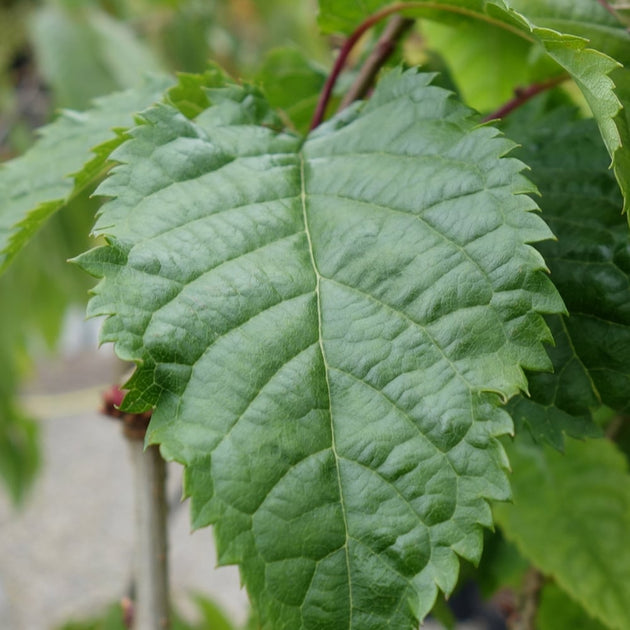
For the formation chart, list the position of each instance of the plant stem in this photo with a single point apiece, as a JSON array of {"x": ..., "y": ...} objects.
[
  {"x": 385, "y": 46},
  {"x": 616, "y": 426},
  {"x": 529, "y": 601},
  {"x": 522, "y": 95},
  {"x": 370, "y": 21},
  {"x": 151, "y": 607},
  {"x": 608, "y": 7},
  {"x": 342, "y": 57}
]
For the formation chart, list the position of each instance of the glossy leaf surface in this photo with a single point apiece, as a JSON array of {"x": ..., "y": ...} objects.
[{"x": 326, "y": 328}]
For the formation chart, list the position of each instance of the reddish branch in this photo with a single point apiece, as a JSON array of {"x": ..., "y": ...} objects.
[
  {"x": 342, "y": 57},
  {"x": 522, "y": 95},
  {"x": 608, "y": 7},
  {"x": 385, "y": 46},
  {"x": 134, "y": 424}
]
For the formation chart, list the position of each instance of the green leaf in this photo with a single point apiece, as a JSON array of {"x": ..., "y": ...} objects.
[
  {"x": 40, "y": 277},
  {"x": 557, "y": 611},
  {"x": 326, "y": 328},
  {"x": 571, "y": 517},
  {"x": 212, "y": 617},
  {"x": 84, "y": 54},
  {"x": 292, "y": 83},
  {"x": 501, "y": 567},
  {"x": 559, "y": 403},
  {"x": 584, "y": 18},
  {"x": 591, "y": 69},
  {"x": 37, "y": 184},
  {"x": 471, "y": 48},
  {"x": 590, "y": 266},
  {"x": 19, "y": 449}
]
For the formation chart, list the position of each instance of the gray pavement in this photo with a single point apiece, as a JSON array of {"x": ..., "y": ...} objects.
[{"x": 67, "y": 553}]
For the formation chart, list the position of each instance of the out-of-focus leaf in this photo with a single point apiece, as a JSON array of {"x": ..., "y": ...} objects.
[
  {"x": 590, "y": 266},
  {"x": 37, "y": 184},
  {"x": 571, "y": 518},
  {"x": 472, "y": 49},
  {"x": 557, "y": 611},
  {"x": 84, "y": 53},
  {"x": 19, "y": 447},
  {"x": 292, "y": 84},
  {"x": 501, "y": 566}
]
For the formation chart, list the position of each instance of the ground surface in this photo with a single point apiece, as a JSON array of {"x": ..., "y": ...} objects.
[{"x": 68, "y": 552}]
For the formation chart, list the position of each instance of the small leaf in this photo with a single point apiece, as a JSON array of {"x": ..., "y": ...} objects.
[
  {"x": 571, "y": 517},
  {"x": 292, "y": 83},
  {"x": 19, "y": 449},
  {"x": 326, "y": 329}
]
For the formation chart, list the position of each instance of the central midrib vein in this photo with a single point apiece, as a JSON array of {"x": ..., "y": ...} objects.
[{"x": 321, "y": 348}]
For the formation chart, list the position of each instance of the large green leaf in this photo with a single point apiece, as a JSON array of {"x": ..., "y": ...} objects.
[
  {"x": 589, "y": 68},
  {"x": 327, "y": 327},
  {"x": 571, "y": 517},
  {"x": 37, "y": 184},
  {"x": 590, "y": 266}
]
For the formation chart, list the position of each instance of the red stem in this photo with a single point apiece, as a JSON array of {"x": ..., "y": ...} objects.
[
  {"x": 342, "y": 57},
  {"x": 522, "y": 95},
  {"x": 377, "y": 17},
  {"x": 607, "y": 6}
]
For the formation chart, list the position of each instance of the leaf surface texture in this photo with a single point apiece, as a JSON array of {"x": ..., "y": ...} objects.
[{"x": 326, "y": 328}]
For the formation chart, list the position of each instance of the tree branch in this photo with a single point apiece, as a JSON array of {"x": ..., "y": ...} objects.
[
  {"x": 385, "y": 46},
  {"x": 150, "y": 608},
  {"x": 342, "y": 57},
  {"x": 608, "y": 7},
  {"x": 525, "y": 619},
  {"x": 522, "y": 95}
]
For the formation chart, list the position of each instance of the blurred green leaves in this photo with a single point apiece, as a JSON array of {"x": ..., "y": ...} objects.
[
  {"x": 84, "y": 53},
  {"x": 571, "y": 517}
]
